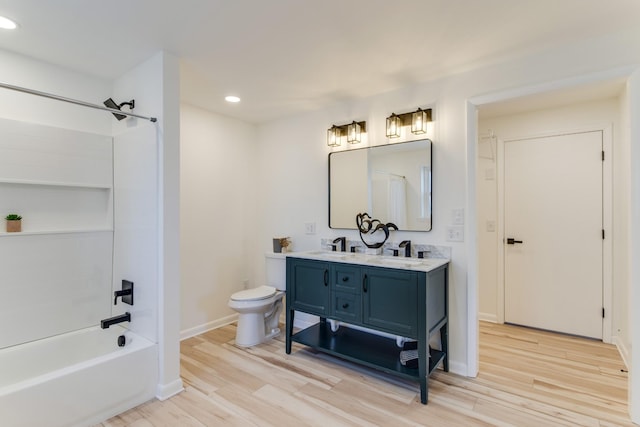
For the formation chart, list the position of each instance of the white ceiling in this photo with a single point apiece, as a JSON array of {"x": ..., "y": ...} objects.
[{"x": 285, "y": 57}]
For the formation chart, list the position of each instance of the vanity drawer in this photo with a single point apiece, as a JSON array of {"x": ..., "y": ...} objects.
[
  {"x": 345, "y": 278},
  {"x": 345, "y": 306}
]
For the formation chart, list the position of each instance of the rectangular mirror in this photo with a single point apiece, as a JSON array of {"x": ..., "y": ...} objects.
[{"x": 392, "y": 183}]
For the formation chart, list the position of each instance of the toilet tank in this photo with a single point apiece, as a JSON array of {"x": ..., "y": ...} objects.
[{"x": 276, "y": 270}]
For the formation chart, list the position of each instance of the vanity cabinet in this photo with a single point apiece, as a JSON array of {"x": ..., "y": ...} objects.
[
  {"x": 399, "y": 301},
  {"x": 310, "y": 287}
]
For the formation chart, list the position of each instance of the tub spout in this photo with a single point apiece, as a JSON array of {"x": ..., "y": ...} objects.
[{"x": 105, "y": 323}]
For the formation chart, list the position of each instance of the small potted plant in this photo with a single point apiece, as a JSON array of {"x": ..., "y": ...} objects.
[
  {"x": 281, "y": 244},
  {"x": 14, "y": 223}
]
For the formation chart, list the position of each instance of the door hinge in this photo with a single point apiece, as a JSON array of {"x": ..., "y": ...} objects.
[
  {"x": 603, "y": 312},
  {"x": 603, "y": 155},
  {"x": 603, "y": 234}
]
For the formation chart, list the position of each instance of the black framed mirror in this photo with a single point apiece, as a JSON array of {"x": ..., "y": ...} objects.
[{"x": 391, "y": 182}]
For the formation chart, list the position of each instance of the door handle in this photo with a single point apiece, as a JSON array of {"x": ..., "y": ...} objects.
[
  {"x": 326, "y": 277},
  {"x": 512, "y": 241},
  {"x": 364, "y": 283}
]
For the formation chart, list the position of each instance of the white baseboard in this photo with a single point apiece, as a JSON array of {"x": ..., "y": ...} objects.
[
  {"x": 488, "y": 317},
  {"x": 458, "y": 368},
  {"x": 623, "y": 350},
  {"x": 201, "y": 329},
  {"x": 165, "y": 391}
]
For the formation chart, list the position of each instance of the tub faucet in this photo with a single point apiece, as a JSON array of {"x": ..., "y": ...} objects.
[
  {"x": 126, "y": 293},
  {"x": 343, "y": 244},
  {"x": 406, "y": 244},
  {"x": 105, "y": 323}
]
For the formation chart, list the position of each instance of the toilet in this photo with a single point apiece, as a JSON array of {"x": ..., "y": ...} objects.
[{"x": 259, "y": 308}]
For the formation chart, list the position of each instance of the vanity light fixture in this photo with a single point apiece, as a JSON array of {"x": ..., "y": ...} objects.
[
  {"x": 353, "y": 131},
  {"x": 418, "y": 120},
  {"x": 394, "y": 123},
  {"x": 333, "y": 136}
]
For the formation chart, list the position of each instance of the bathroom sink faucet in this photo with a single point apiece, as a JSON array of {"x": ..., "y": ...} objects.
[
  {"x": 343, "y": 244},
  {"x": 406, "y": 244}
]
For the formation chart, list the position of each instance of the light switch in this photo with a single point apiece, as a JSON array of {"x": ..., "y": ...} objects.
[
  {"x": 310, "y": 228},
  {"x": 457, "y": 216},
  {"x": 455, "y": 234}
]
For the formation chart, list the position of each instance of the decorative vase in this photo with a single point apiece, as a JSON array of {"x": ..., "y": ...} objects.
[{"x": 14, "y": 225}]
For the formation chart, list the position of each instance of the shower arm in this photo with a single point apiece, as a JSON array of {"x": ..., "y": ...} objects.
[{"x": 74, "y": 101}]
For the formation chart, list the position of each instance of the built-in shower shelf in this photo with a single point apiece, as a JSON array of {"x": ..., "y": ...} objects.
[
  {"x": 55, "y": 184},
  {"x": 48, "y": 232}
]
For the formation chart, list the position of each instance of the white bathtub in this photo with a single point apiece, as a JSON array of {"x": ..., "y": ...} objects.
[{"x": 75, "y": 379}]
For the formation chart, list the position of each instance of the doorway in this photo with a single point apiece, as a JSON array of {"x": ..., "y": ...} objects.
[{"x": 486, "y": 296}]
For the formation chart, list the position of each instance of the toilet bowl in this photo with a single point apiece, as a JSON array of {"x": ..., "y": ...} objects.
[{"x": 259, "y": 308}]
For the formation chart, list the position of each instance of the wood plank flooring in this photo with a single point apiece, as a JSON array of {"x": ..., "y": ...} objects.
[{"x": 527, "y": 378}]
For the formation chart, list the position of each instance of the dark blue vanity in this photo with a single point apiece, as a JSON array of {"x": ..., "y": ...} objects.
[{"x": 404, "y": 297}]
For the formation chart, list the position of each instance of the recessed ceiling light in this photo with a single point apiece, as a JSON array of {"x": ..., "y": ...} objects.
[
  {"x": 7, "y": 24},
  {"x": 231, "y": 98}
]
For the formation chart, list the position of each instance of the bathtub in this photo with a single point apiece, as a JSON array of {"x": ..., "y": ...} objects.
[{"x": 76, "y": 379}]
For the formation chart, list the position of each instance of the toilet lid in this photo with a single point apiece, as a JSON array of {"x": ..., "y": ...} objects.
[{"x": 261, "y": 292}]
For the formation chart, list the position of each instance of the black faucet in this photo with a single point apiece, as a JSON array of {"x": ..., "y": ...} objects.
[
  {"x": 343, "y": 244},
  {"x": 126, "y": 293},
  {"x": 105, "y": 323},
  {"x": 406, "y": 244}
]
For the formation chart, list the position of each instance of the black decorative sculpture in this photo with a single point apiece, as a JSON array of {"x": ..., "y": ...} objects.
[{"x": 368, "y": 225}]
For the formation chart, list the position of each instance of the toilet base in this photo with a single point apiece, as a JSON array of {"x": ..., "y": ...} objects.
[{"x": 256, "y": 328}]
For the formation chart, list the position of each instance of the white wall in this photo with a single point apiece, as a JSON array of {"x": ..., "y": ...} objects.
[
  {"x": 579, "y": 116},
  {"x": 147, "y": 165},
  {"x": 26, "y": 72},
  {"x": 218, "y": 187},
  {"x": 632, "y": 112}
]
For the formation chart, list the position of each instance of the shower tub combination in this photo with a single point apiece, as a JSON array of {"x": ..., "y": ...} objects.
[{"x": 76, "y": 379}]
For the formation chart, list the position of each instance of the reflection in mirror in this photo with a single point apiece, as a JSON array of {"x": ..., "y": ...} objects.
[{"x": 392, "y": 182}]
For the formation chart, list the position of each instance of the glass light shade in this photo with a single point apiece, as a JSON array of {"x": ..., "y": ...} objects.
[
  {"x": 333, "y": 136},
  {"x": 393, "y": 126},
  {"x": 354, "y": 133},
  {"x": 419, "y": 122}
]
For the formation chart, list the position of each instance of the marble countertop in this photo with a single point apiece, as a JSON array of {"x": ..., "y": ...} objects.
[{"x": 417, "y": 264}]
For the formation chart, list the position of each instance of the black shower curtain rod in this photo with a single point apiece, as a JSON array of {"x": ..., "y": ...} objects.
[{"x": 74, "y": 101}]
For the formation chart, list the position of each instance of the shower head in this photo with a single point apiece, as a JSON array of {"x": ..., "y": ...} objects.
[{"x": 110, "y": 103}]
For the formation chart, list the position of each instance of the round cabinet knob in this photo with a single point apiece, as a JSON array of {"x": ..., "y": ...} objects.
[
  {"x": 345, "y": 305},
  {"x": 345, "y": 278}
]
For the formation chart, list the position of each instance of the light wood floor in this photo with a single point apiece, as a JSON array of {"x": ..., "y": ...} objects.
[{"x": 527, "y": 378}]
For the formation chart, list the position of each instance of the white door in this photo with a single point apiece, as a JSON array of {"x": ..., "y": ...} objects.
[{"x": 553, "y": 206}]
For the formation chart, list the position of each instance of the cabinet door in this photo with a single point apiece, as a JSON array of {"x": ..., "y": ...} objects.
[
  {"x": 308, "y": 286},
  {"x": 390, "y": 301}
]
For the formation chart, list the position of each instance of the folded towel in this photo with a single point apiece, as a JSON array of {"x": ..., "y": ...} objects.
[{"x": 409, "y": 358}]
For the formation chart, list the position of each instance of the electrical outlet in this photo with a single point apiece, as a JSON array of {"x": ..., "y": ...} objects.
[
  {"x": 455, "y": 234},
  {"x": 310, "y": 228}
]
